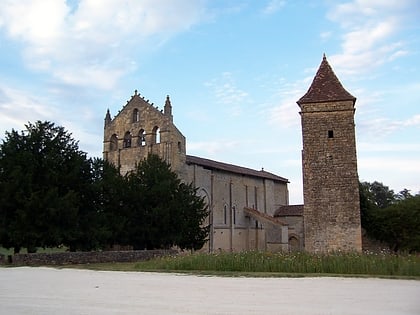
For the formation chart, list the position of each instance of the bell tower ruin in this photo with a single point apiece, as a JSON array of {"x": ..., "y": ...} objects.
[{"x": 330, "y": 180}]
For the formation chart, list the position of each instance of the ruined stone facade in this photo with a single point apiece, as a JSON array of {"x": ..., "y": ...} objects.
[
  {"x": 249, "y": 209},
  {"x": 140, "y": 129},
  {"x": 330, "y": 180}
]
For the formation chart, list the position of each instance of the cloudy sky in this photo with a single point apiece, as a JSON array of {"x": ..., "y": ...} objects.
[{"x": 234, "y": 70}]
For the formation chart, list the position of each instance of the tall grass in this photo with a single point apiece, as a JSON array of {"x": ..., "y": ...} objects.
[{"x": 299, "y": 262}]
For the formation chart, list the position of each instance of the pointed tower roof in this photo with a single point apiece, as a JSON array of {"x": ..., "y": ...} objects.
[{"x": 326, "y": 87}]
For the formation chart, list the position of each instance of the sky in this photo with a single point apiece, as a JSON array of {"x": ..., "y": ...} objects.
[{"x": 233, "y": 69}]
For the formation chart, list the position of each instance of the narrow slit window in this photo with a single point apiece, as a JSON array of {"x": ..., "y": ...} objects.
[
  {"x": 135, "y": 115},
  {"x": 330, "y": 134}
]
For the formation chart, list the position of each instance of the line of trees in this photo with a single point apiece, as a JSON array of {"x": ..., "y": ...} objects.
[
  {"x": 52, "y": 194},
  {"x": 389, "y": 217}
]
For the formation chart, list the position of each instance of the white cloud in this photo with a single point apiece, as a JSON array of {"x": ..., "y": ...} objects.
[
  {"x": 396, "y": 172},
  {"x": 368, "y": 147},
  {"x": 413, "y": 121},
  {"x": 273, "y": 6},
  {"x": 19, "y": 107},
  {"x": 285, "y": 114},
  {"x": 226, "y": 92},
  {"x": 369, "y": 28},
  {"x": 99, "y": 39},
  {"x": 284, "y": 111},
  {"x": 381, "y": 127},
  {"x": 211, "y": 148}
]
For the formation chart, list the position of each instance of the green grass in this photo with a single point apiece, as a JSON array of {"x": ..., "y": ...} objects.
[
  {"x": 266, "y": 264},
  {"x": 289, "y": 264}
]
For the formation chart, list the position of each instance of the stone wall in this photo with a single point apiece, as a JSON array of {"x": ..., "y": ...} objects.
[
  {"x": 140, "y": 129},
  {"x": 69, "y": 258},
  {"x": 330, "y": 179}
]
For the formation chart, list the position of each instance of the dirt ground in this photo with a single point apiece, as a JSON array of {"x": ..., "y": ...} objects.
[{"x": 28, "y": 290}]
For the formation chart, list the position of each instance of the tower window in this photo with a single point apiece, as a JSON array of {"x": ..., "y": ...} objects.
[
  {"x": 135, "y": 115},
  {"x": 330, "y": 134}
]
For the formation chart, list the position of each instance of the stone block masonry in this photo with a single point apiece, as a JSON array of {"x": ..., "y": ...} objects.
[{"x": 74, "y": 258}]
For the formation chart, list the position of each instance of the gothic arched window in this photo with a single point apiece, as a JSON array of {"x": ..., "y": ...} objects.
[
  {"x": 127, "y": 140},
  {"x": 156, "y": 134},
  {"x": 113, "y": 143},
  {"x": 142, "y": 138}
]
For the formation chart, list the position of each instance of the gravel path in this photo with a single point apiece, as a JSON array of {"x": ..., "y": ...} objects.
[{"x": 26, "y": 290}]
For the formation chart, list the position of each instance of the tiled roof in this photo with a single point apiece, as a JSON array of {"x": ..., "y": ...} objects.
[
  {"x": 210, "y": 164},
  {"x": 289, "y": 210},
  {"x": 325, "y": 87},
  {"x": 263, "y": 217}
]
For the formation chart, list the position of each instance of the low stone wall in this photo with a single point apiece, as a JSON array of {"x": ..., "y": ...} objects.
[{"x": 68, "y": 258}]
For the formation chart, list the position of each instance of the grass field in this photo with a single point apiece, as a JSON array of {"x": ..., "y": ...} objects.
[
  {"x": 254, "y": 263},
  {"x": 264, "y": 264}
]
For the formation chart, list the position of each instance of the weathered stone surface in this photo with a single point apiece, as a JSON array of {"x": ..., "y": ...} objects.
[
  {"x": 68, "y": 258},
  {"x": 330, "y": 179}
]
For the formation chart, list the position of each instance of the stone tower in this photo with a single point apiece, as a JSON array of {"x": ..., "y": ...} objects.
[
  {"x": 330, "y": 179},
  {"x": 140, "y": 129}
]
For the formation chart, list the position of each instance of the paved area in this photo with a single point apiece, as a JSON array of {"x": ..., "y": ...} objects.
[{"x": 28, "y": 290}]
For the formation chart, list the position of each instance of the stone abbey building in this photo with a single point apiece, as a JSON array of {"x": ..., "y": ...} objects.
[{"x": 249, "y": 209}]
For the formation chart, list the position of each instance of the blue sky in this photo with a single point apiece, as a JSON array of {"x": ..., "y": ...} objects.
[{"x": 233, "y": 69}]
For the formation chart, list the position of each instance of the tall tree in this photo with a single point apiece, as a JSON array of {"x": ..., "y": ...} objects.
[
  {"x": 381, "y": 194},
  {"x": 42, "y": 172},
  {"x": 399, "y": 224},
  {"x": 164, "y": 212}
]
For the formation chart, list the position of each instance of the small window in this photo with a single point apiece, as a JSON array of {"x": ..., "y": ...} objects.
[
  {"x": 234, "y": 214},
  {"x": 135, "y": 115},
  {"x": 225, "y": 214},
  {"x": 330, "y": 134},
  {"x": 179, "y": 147}
]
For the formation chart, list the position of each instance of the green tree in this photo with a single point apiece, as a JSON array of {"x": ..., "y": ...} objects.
[
  {"x": 390, "y": 218},
  {"x": 373, "y": 196},
  {"x": 399, "y": 224},
  {"x": 381, "y": 195},
  {"x": 193, "y": 212},
  {"x": 163, "y": 211},
  {"x": 42, "y": 173},
  {"x": 114, "y": 203}
]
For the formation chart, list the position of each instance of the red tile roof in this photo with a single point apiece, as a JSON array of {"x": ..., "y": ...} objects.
[
  {"x": 263, "y": 217},
  {"x": 325, "y": 87},
  {"x": 289, "y": 210},
  {"x": 210, "y": 164}
]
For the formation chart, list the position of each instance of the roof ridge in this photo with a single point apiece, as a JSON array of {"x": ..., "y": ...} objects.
[{"x": 233, "y": 168}]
